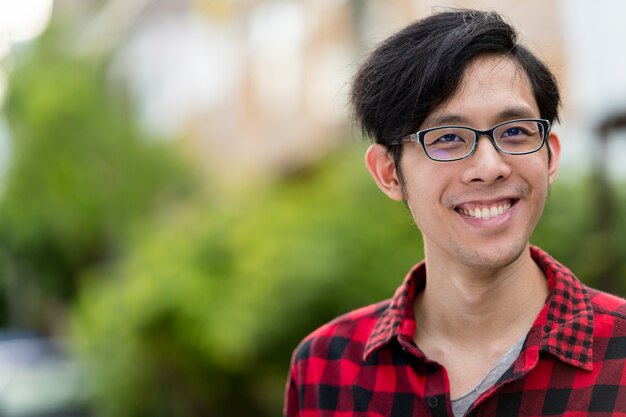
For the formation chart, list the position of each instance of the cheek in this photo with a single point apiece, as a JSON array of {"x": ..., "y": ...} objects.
[
  {"x": 541, "y": 177},
  {"x": 539, "y": 185},
  {"x": 424, "y": 189}
]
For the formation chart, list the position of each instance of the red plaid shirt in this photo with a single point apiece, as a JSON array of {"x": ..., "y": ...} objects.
[{"x": 365, "y": 363}]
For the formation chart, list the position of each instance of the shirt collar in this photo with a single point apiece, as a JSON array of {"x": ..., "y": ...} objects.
[
  {"x": 563, "y": 328},
  {"x": 567, "y": 331}
]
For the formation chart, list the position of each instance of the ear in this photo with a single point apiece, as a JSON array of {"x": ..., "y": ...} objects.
[
  {"x": 555, "y": 147},
  {"x": 383, "y": 169}
]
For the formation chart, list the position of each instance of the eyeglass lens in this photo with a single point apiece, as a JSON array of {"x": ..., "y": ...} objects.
[{"x": 516, "y": 137}]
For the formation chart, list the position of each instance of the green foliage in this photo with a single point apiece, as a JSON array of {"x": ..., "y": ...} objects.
[
  {"x": 202, "y": 317},
  {"x": 80, "y": 171},
  {"x": 195, "y": 310},
  {"x": 583, "y": 230},
  {"x": 566, "y": 223}
]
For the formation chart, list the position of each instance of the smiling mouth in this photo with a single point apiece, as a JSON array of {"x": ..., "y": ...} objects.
[{"x": 486, "y": 211}]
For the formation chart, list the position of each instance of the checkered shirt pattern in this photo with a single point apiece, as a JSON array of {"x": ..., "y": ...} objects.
[{"x": 365, "y": 363}]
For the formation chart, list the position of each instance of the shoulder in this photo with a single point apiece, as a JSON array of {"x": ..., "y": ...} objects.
[
  {"x": 605, "y": 303},
  {"x": 344, "y": 336},
  {"x": 326, "y": 362},
  {"x": 609, "y": 312}
]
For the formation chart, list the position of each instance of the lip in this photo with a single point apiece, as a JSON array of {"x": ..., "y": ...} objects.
[{"x": 492, "y": 220}]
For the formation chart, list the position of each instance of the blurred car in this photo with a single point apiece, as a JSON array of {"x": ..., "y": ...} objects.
[{"x": 37, "y": 379}]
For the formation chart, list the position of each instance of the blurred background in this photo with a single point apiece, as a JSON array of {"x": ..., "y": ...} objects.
[{"x": 182, "y": 196}]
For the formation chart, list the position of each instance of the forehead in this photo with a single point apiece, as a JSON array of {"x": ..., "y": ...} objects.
[{"x": 493, "y": 89}]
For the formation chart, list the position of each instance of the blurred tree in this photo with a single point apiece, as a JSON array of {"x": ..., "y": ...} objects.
[
  {"x": 197, "y": 312},
  {"x": 569, "y": 231},
  {"x": 201, "y": 318},
  {"x": 80, "y": 173}
]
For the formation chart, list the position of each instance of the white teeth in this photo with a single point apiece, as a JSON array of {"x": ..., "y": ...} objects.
[{"x": 485, "y": 212}]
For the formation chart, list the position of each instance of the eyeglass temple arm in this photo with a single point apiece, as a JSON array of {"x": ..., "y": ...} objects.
[{"x": 413, "y": 137}]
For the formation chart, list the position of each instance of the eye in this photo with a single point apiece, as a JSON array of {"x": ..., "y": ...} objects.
[
  {"x": 448, "y": 142},
  {"x": 514, "y": 131},
  {"x": 449, "y": 138}
]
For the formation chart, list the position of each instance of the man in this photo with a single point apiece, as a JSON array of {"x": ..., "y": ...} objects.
[{"x": 486, "y": 325}]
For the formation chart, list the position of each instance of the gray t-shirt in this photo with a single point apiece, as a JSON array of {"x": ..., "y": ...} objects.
[{"x": 462, "y": 404}]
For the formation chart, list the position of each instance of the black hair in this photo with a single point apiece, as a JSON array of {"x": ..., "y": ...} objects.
[{"x": 419, "y": 68}]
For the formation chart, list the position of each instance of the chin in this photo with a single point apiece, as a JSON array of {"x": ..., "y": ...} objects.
[{"x": 493, "y": 257}]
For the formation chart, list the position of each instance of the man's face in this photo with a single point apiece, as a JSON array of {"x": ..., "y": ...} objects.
[{"x": 444, "y": 197}]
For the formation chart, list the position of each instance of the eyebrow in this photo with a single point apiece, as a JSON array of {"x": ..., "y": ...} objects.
[{"x": 509, "y": 113}]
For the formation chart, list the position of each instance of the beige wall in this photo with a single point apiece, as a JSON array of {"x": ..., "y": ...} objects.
[{"x": 293, "y": 60}]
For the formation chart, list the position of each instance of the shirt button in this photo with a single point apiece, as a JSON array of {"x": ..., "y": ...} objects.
[{"x": 433, "y": 402}]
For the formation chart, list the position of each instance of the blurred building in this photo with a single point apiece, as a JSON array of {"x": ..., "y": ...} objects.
[
  {"x": 253, "y": 87},
  {"x": 260, "y": 87}
]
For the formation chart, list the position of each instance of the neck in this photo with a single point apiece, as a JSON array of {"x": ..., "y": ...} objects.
[{"x": 481, "y": 309}]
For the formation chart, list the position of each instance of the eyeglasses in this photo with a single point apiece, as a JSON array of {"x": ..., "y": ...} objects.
[{"x": 451, "y": 143}]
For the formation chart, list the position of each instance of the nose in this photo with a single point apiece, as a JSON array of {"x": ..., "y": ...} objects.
[{"x": 486, "y": 165}]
